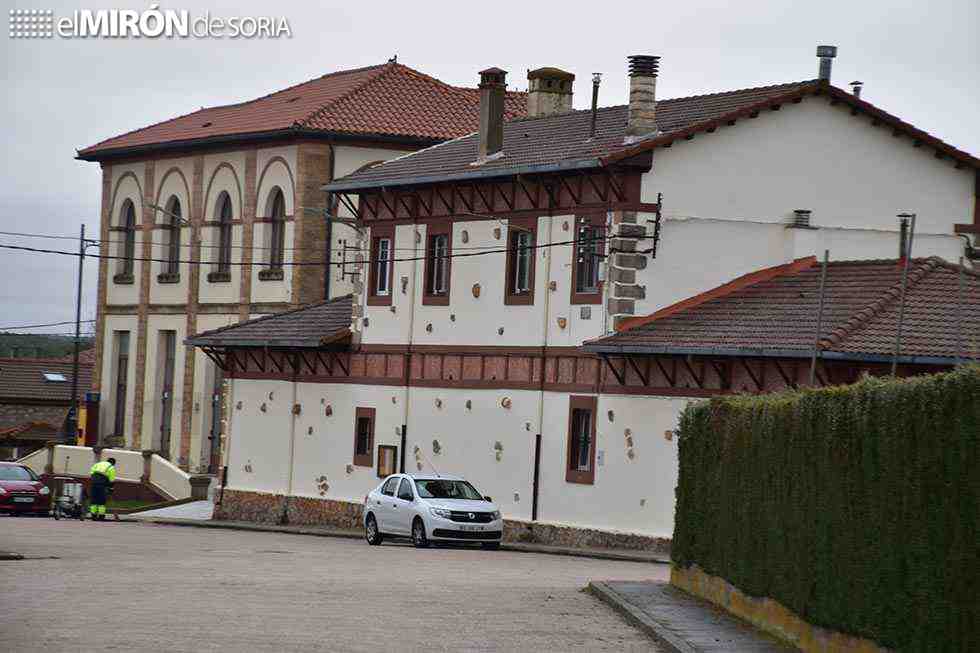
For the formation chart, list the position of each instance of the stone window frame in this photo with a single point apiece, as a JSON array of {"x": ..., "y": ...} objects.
[
  {"x": 517, "y": 226},
  {"x": 378, "y": 233},
  {"x": 434, "y": 229},
  {"x": 595, "y": 221},
  {"x": 366, "y": 457},
  {"x": 573, "y": 472}
]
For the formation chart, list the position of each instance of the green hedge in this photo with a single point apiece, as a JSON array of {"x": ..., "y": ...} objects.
[{"x": 857, "y": 507}]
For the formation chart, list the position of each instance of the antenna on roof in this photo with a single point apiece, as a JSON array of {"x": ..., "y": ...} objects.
[{"x": 394, "y": 59}]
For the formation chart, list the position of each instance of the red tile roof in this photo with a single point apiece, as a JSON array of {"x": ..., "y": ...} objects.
[
  {"x": 23, "y": 379},
  {"x": 774, "y": 312},
  {"x": 309, "y": 326},
  {"x": 564, "y": 141},
  {"x": 389, "y": 100}
]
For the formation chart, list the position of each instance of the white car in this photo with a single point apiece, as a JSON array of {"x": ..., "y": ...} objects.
[{"x": 431, "y": 508}]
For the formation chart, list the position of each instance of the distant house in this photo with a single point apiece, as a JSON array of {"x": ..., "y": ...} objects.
[{"x": 35, "y": 394}]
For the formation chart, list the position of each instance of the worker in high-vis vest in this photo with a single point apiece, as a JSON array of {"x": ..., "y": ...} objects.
[{"x": 103, "y": 473}]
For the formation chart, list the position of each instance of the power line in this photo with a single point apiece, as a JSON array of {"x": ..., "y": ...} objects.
[
  {"x": 306, "y": 263},
  {"x": 40, "y": 326}
]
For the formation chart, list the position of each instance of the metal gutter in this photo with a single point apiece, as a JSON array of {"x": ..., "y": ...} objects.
[
  {"x": 562, "y": 166},
  {"x": 310, "y": 344}
]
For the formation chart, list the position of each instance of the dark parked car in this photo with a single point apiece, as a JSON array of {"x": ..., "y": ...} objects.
[{"x": 21, "y": 491}]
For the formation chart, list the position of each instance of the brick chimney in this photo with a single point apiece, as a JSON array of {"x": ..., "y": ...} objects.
[
  {"x": 642, "y": 119},
  {"x": 493, "y": 83},
  {"x": 549, "y": 91}
]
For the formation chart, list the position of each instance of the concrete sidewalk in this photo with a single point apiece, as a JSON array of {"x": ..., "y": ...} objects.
[
  {"x": 319, "y": 531},
  {"x": 197, "y": 510},
  {"x": 681, "y": 622}
]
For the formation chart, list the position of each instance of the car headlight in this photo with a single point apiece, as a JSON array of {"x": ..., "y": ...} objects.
[
  {"x": 495, "y": 515},
  {"x": 441, "y": 512},
  {"x": 45, "y": 490}
]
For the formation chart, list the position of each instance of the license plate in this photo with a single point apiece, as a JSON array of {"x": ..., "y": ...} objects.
[
  {"x": 471, "y": 528},
  {"x": 23, "y": 500}
]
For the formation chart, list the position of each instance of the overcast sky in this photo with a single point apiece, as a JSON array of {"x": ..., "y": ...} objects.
[{"x": 918, "y": 60}]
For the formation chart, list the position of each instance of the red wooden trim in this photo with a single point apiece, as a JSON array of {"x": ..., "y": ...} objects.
[
  {"x": 364, "y": 460},
  {"x": 443, "y": 227},
  {"x": 572, "y": 475},
  {"x": 514, "y": 226},
  {"x": 378, "y": 231}
]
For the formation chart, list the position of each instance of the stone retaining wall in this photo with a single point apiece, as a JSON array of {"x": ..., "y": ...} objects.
[{"x": 239, "y": 505}]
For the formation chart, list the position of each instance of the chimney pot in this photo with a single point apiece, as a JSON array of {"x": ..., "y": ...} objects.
[
  {"x": 856, "y": 88},
  {"x": 826, "y": 54},
  {"x": 642, "y": 118},
  {"x": 549, "y": 91},
  {"x": 493, "y": 84},
  {"x": 801, "y": 218}
]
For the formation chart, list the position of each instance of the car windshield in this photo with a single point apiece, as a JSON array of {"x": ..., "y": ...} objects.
[
  {"x": 16, "y": 473},
  {"x": 445, "y": 489}
]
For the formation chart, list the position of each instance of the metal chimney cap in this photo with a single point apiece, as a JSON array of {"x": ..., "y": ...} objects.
[
  {"x": 643, "y": 65},
  {"x": 826, "y": 51}
]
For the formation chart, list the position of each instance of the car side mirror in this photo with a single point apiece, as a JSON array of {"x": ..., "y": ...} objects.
[{"x": 488, "y": 498}]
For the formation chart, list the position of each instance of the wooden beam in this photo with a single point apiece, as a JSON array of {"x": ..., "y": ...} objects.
[
  {"x": 620, "y": 377},
  {"x": 672, "y": 379},
  {"x": 643, "y": 377},
  {"x": 748, "y": 370}
]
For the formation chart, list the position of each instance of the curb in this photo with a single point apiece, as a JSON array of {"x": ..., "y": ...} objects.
[
  {"x": 638, "y": 618},
  {"x": 519, "y": 547}
]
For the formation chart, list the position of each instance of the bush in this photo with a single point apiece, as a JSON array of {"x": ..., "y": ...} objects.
[{"x": 856, "y": 507}]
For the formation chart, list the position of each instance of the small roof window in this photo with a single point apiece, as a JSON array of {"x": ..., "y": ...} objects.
[{"x": 54, "y": 377}]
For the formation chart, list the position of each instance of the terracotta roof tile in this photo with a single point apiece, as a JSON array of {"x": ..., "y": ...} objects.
[
  {"x": 309, "y": 326},
  {"x": 23, "y": 378},
  {"x": 778, "y": 313},
  {"x": 389, "y": 100}
]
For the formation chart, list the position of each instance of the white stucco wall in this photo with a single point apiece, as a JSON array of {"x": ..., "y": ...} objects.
[
  {"x": 127, "y": 181},
  {"x": 470, "y": 320},
  {"x": 728, "y": 196},
  {"x": 107, "y": 389},
  {"x": 634, "y": 495},
  {"x": 223, "y": 173}
]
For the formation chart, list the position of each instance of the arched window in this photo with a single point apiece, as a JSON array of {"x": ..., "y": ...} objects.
[
  {"x": 127, "y": 245},
  {"x": 173, "y": 219},
  {"x": 277, "y": 228},
  {"x": 224, "y": 233}
]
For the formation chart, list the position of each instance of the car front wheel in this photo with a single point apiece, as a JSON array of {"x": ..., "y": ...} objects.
[
  {"x": 419, "y": 538},
  {"x": 371, "y": 532},
  {"x": 491, "y": 546}
]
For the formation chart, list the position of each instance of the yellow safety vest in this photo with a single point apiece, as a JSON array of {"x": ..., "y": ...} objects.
[{"x": 105, "y": 468}]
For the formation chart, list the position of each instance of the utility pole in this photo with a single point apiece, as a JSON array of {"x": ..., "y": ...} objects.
[{"x": 73, "y": 411}]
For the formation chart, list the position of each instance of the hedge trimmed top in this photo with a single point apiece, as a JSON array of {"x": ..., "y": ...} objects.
[{"x": 774, "y": 312}]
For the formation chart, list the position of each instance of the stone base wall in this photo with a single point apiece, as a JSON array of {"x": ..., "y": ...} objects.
[
  {"x": 259, "y": 507},
  {"x": 767, "y": 614}
]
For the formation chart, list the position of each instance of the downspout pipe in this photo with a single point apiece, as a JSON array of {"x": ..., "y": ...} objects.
[
  {"x": 284, "y": 518},
  {"x": 416, "y": 239},
  {"x": 539, "y": 437},
  {"x": 331, "y": 213}
]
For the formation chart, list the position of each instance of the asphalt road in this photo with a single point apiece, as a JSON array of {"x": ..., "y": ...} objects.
[{"x": 130, "y": 586}]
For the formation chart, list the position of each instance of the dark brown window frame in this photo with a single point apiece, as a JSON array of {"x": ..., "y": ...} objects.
[
  {"x": 572, "y": 473},
  {"x": 596, "y": 220},
  {"x": 364, "y": 460},
  {"x": 437, "y": 229},
  {"x": 225, "y": 215},
  {"x": 378, "y": 232},
  {"x": 514, "y": 227},
  {"x": 394, "y": 459},
  {"x": 173, "y": 221}
]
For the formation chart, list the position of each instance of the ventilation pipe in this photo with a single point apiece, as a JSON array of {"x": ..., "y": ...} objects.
[
  {"x": 596, "y": 80},
  {"x": 856, "y": 88}
]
